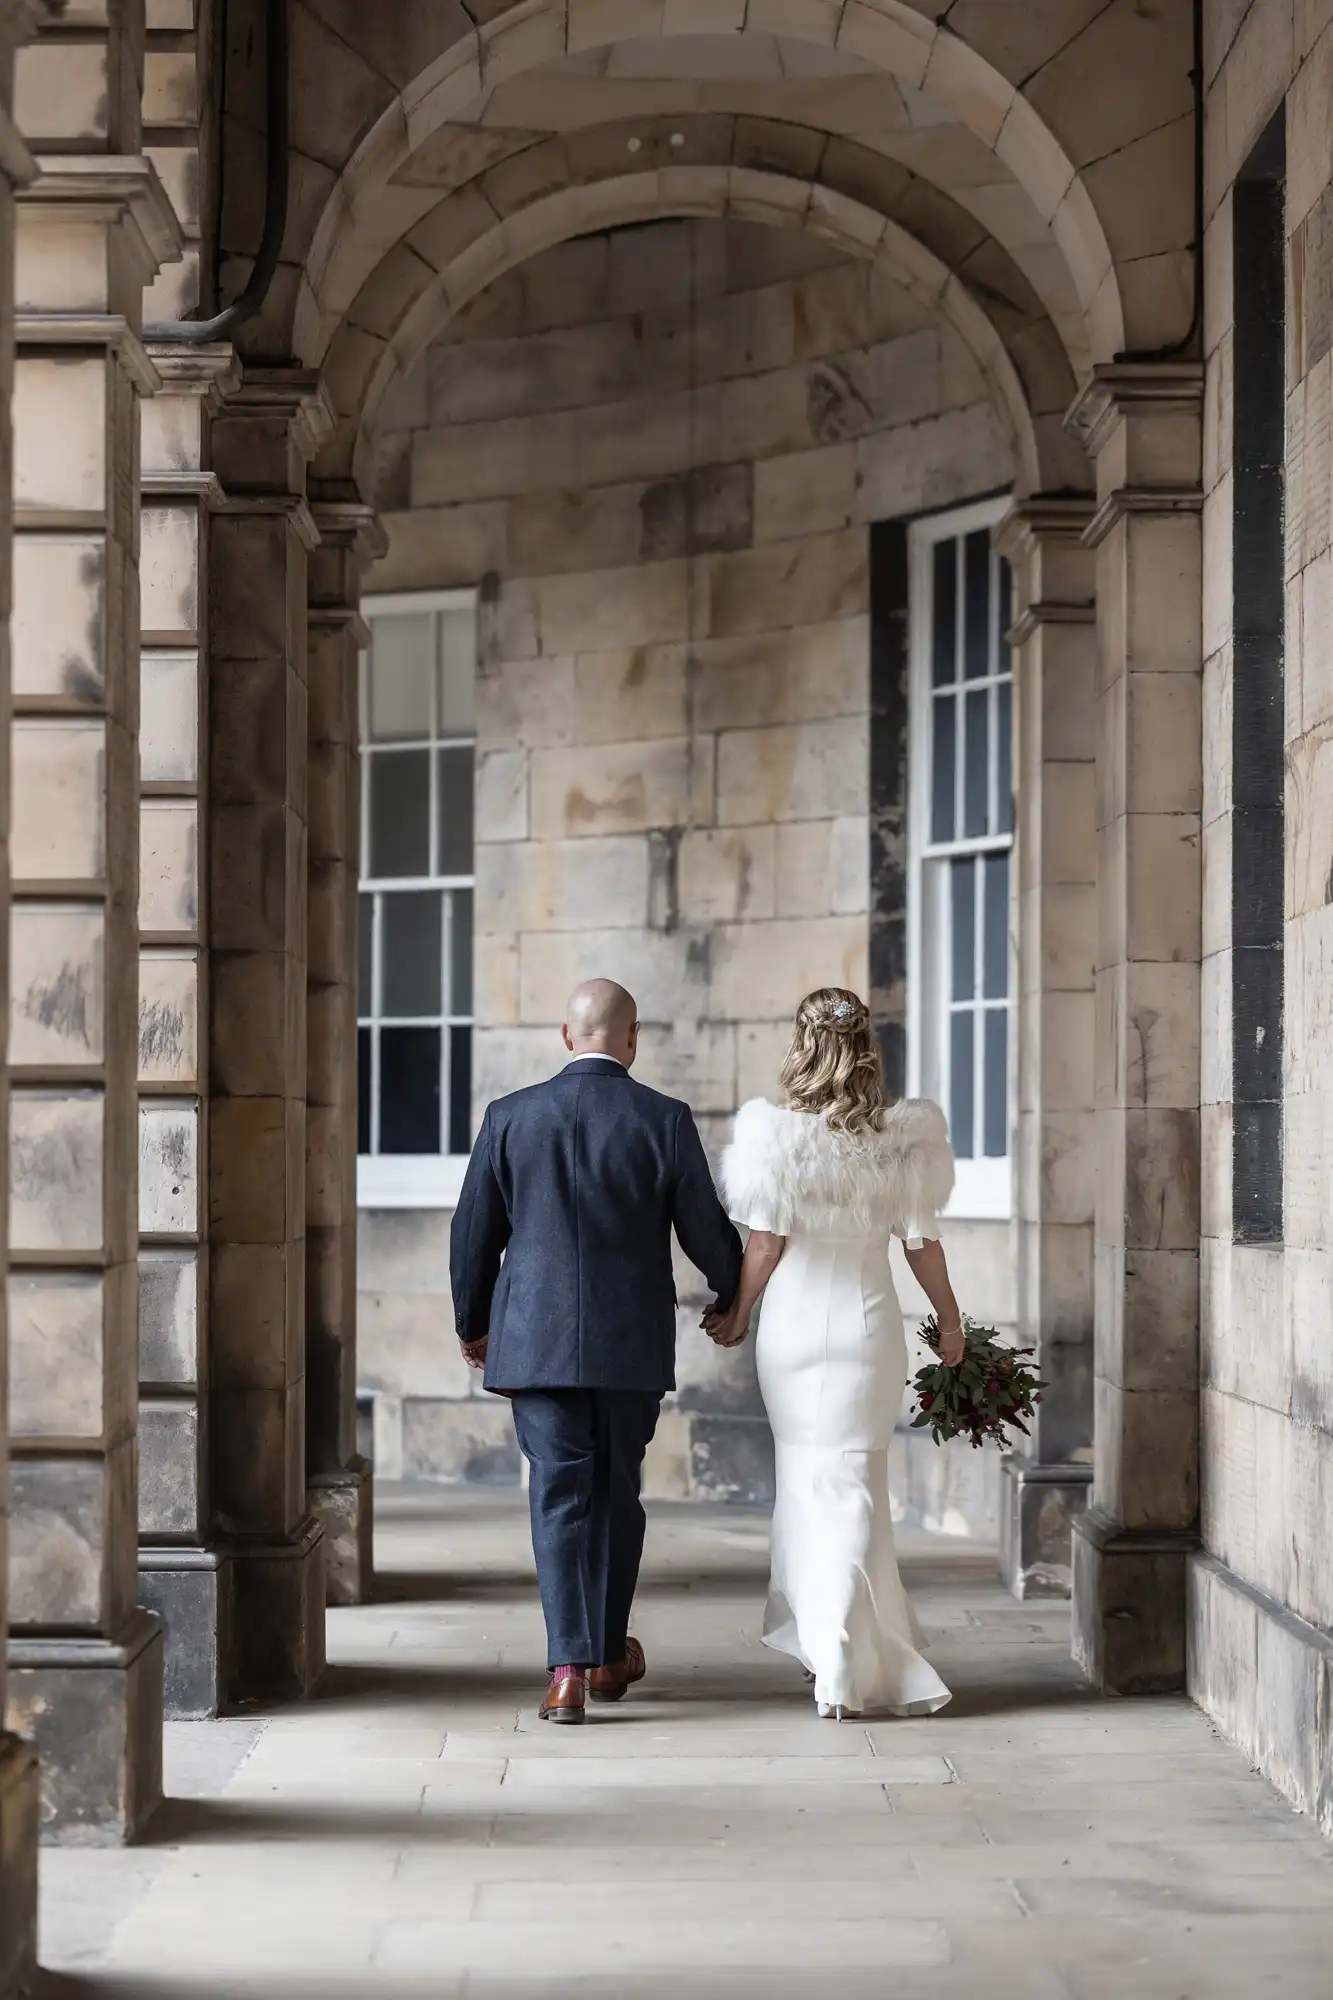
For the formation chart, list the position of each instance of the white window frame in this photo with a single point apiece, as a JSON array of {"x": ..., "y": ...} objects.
[
  {"x": 409, "y": 1180},
  {"x": 984, "y": 1189}
]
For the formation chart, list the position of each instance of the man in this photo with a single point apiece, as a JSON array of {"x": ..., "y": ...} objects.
[{"x": 560, "y": 1261}]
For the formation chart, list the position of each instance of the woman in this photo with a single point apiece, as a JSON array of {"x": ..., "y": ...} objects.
[{"x": 822, "y": 1182}]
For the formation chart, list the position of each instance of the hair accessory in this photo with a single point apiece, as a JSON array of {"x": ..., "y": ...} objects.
[{"x": 843, "y": 1011}]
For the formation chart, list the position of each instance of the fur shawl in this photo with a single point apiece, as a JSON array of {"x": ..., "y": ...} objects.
[{"x": 786, "y": 1171}]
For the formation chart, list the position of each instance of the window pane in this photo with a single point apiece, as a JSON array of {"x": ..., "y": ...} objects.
[
  {"x": 945, "y": 616},
  {"x": 460, "y": 1090},
  {"x": 456, "y": 768},
  {"x": 997, "y": 927},
  {"x": 945, "y": 713},
  {"x": 1006, "y": 617},
  {"x": 963, "y": 894},
  {"x": 365, "y": 954},
  {"x": 976, "y": 605},
  {"x": 399, "y": 812},
  {"x": 409, "y": 1090},
  {"x": 410, "y": 953},
  {"x": 460, "y": 953},
  {"x": 961, "y": 1084},
  {"x": 1004, "y": 757},
  {"x": 402, "y": 668},
  {"x": 458, "y": 672},
  {"x": 363, "y": 1090},
  {"x": 976, "y": 771},
  {"x": 997, "y": 1083}
]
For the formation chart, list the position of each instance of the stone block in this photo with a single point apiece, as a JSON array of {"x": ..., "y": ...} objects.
[
  {"x": 168, "y": 877},
  {"x": 761, "y": 972},
  {"x": 460, "y": 1441},
  {"x": 169, "y": 1469},
  {"x": 343, "y": 1503},
  {"x": 256, "y": 1456},
  {"x": 58, "y": 998},
  {"x": 56, "y": 1352},
  {"x": 821, "y": 578},
  {"x": 667, "y": 974},
  {"x": 61, "y": 428},
  {"x": 727, "y": 875},
  {"x": 731, "y": 1459},
  {"x": 760, "y": 1048},
  {"x": 562, "y": 885},
  {"x": 279, "y": 1613},
  {"x": 741, "y": 683},
  {"x": 629, "y": 695},
  {"x": 1039, "y": 1504},
  {"x": 621, "y": 787},
  {"x": 56, "y": 1170},
  {"x": 403, "y": 1250},
  {"x": 59, "y": 618},
  {"x": 524, "y": 705},
  {"x": 93, "y": 1709},
  {"x": 58, "y": 805},
  {"x": 190, "y": 1591},
  {"x": 169, "y": 1317},
  {"x": 170, "y": 1187},
  {"x": 169, "y": 570},
  {"x": 815, "y": 770},
  {"x": 1129, "y": 1606},
  {"x": 502, "y": 794},
  {"x": 406, "y": 1344},
  {"x": 828, "y": 670},
  {"x": 805, "y": 492},
  {"x": 169, "y": 1016},
  {"x": 693, "y": 1060},
  {"x": 702, "y": 511},
  {"x": 602, "y": 610}
]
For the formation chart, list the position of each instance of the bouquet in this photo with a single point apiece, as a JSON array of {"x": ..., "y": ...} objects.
[{"x": 992, "y": 1389}]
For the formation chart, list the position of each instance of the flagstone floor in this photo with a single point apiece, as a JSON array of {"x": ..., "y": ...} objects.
[{"x": 416, "y": 1832}]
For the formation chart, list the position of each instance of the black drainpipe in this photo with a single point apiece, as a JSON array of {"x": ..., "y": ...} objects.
[
  {"x": 222, "y": 325},
  {"x": 1179, "y": 349}
]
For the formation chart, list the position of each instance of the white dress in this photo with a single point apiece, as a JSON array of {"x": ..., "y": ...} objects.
[{"x": 832, "y": 1362}]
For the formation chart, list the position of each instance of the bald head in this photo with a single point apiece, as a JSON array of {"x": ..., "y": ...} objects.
[{"x": 601, "y": 1018}]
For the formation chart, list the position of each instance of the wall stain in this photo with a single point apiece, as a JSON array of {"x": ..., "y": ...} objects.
[
  {"x": 162, "y": 1037},
  {"x": 61, "y": 1004}
]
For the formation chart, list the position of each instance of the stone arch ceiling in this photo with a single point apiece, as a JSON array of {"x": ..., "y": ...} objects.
[
  {"x": 1008, "y": 107},
  {"x": 746, "y": 194},
  {"x": 713, "y": 164}
]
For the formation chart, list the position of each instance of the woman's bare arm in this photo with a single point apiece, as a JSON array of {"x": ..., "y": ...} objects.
[
  {"x": 930, "y": 1268},
  {"x": 762, "y": 1254}
]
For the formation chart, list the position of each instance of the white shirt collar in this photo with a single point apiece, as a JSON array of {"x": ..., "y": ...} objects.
[{"x": 594, "y": 1055}]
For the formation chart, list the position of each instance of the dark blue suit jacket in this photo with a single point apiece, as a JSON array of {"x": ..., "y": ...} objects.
[{"x": 561, "y": 1242}]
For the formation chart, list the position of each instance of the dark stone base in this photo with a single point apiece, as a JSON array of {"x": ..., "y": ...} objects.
[
  {"x": 190, "y": 1590},
  {"x": 1266, "y": 1679},
  {"x": 18, "y": 1868},
  {"x": 278, "y": 1601},
  {"x": 1038, "y": 1507},
  {"x": 1129, "y": 1605},
  {"x": 93, "y": 1708},
  {"x": 343, "y": 1504}
]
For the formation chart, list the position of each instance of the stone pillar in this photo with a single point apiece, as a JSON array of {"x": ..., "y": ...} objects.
[
  {"x": 1142, "y": 424},
  {"x": 18, "y": 1765},
  {"x": 338, "y": 1480},
  {"x": 1054, "y": 643},
  {"x": 93, "y": 228},
  {"x": 183, "y": 1577},
  {"x": 257, "y": 905}
]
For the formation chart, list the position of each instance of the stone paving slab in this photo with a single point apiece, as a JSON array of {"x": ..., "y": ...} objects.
[{"x": 415, "y": 1830}]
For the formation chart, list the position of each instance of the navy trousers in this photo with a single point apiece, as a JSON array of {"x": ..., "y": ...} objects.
[{"x": 585, "y": 1448}]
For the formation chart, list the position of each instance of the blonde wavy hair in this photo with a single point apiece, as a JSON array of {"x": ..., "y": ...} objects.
[{"x": 834, "y": 1066}]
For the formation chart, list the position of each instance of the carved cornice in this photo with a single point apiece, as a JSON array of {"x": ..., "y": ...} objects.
[
  {"x": 1156, "y": 501},
  {"x": 292, "y": 506},
  {"x": 353, "y": 525},
  {"x": 1034, "y": 616},
  {"x": 1045, "y": 517},
  {"x": 110, "y": 188},
  {"x": 106, "y": 331},
  {"x": 295, "y": 396},
  {"x": 1132, "y": 388}
]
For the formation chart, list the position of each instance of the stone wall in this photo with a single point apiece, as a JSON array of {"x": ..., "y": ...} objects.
[
  {"x": 657, "y": 452},
  {"x": 1261, "y": 1600}
]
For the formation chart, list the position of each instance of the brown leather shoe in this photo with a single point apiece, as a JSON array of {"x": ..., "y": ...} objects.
[
  {"x": 565, "y": 1698},
  {"x": 610, "y": 1683}
]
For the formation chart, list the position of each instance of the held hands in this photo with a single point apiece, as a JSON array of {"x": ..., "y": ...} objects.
[{"x": 724, "y": 1329}]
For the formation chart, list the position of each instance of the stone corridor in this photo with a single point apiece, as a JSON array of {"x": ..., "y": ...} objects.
[{"x": 414, "y": 1831}]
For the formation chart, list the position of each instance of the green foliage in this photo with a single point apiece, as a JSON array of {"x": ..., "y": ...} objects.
[{"x": 992, "y": 1391}]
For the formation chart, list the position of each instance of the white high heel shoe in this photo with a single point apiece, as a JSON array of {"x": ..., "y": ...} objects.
[{"x": 837, "y": 1711}]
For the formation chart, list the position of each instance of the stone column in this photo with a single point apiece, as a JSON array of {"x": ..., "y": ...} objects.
[
  {"x": 257, "y": 905},
  {"x": 338, "y": 1480},
  {"x": 18, "y": 1765},
  {"x": 1141, "y": 422},
  {"x": 93, "y": 228},
  {"x": 183, "y": 1577},
  {"x": 1054, "y": 643}
]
